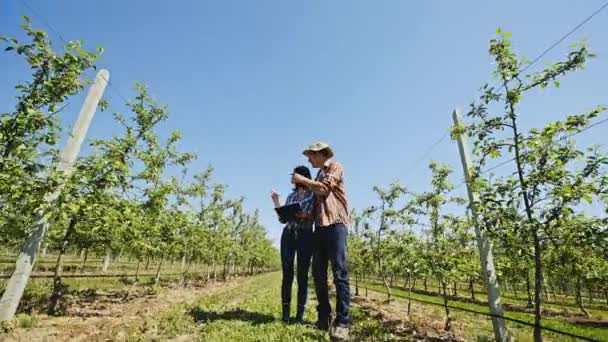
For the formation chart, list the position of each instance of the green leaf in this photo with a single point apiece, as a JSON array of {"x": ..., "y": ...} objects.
[
  {"x": 26, "y": 19},
  {"x": 588, "y": 198}
]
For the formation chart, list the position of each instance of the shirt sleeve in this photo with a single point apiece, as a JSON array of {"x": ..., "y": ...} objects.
[{"x": 333, "y": 177}]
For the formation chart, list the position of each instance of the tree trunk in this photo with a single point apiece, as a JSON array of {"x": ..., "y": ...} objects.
[
  {"x": 157, "y": 278},
  {"x": 448, "y": 321},
  {"x": 388, "y": 289},
  {"x": 409, "y": 293},
  {"x": 356, "y": 284},
  {"x": 455, "y": 289},
  {"x": 106, "y": 260},
  {"x": 183, "y": 262},
  {"x": 147, "y": 263},
  {"x": 425, "y": 283},
  {"x": 84, "y": 260},
  {"x": 130, "y": 289},
  {"x": 579, "y": 296},
  {"x": 58, "y": 287},
  {"x": 538, "y": 288},
  {"x": 185, "y": 273},
  {"x": 472, "y": 288},
  {"x": 529, "y": 291},
  {"x": 214, "y": 270},
  {"x": 137, "y": 271},
  {"x": 553, "y": 292},
  {"x": 225, "y": 270}
]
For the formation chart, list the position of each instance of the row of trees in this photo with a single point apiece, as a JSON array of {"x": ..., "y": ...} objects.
[
  {"x": 131, "y": 195},
  {"x": 547, "y": 218}
]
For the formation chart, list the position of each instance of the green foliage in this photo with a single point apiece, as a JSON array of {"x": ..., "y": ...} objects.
[
  {"x": 123, "y": 197},
  {"x": 533, "y": 212}
]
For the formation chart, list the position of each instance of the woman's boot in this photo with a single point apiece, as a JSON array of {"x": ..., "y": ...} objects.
[
  {"x": 285, "y": 313},
  {"x": 300, "y": 314}
]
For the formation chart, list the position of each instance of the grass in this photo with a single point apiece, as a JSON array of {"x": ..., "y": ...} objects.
[
  {"x": 477, "y": 325},
  {"x": 251, "y": 312},
  {"x": 557, "y": 301}
]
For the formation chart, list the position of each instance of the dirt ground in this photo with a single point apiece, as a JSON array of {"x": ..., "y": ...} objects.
[
  {"x": 418, "y": 326},
  {"x": 109, "y": 316}
]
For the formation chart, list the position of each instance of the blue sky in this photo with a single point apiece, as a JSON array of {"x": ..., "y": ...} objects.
[{"x": 251, "y": 83}]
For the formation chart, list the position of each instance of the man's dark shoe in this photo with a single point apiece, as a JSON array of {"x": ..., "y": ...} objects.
[{"x": 340, "y": 333}]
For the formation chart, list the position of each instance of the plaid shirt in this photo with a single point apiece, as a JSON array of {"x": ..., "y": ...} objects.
[
  {"x": 331, "y": 206},
  {"x": 307, "y": 204}
]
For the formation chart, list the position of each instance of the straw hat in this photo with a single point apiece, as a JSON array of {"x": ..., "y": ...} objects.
[{"x": 319, "y": 146}]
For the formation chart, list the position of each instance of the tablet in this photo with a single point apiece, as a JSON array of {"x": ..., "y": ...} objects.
[{"x": 287, "y": 213}]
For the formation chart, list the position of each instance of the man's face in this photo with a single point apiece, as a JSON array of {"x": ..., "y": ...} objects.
[{"x": 315, "y": 159}]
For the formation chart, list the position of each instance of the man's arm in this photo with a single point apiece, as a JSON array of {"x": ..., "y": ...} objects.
[{"x": 333, "y": 175}]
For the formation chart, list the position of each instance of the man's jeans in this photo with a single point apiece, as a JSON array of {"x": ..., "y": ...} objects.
[
  {"x": 297, "y": 241},
  {"x": 330, "y": 246}
]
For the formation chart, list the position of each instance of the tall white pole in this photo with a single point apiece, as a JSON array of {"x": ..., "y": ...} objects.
[
  {"x": 483, "y": 243},
  {"x": 25, "y": 261}
]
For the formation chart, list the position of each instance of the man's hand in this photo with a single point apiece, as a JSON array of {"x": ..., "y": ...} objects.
[{"x": 298, "y": 179}]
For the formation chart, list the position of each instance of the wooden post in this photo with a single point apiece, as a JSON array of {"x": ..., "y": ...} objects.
[
  {"x": 483, "y": 243},
  {"x": 27, "y": 256}
]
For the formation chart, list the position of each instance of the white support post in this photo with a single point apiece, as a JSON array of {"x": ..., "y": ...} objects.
[{"x": 483, "y": 243}]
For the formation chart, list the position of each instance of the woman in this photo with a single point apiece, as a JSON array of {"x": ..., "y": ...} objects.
[{"x": 296, "y": 239}]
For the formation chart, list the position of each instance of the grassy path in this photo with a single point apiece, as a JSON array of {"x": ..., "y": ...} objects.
[{"x": 251, "y": 312}]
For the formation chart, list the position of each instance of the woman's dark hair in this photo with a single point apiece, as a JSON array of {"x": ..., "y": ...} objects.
[{"x": 302, "y": 170}]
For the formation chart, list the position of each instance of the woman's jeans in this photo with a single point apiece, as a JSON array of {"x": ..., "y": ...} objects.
[{"x": 296, "y": 241}]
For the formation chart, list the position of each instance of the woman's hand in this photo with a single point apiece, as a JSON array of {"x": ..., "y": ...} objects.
[{"x": 275, "y": 198}]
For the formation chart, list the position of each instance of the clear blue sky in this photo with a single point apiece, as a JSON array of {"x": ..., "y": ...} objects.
[{"x": 250, "y": 83}]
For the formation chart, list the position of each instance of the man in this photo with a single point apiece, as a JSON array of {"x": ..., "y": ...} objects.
[{"x": 331, "y": 218}]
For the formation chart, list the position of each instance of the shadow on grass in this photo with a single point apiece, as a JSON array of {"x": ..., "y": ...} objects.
[{"x": 254, "y": 318}]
